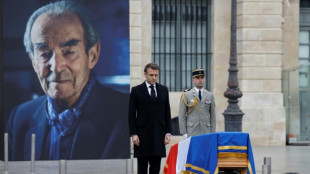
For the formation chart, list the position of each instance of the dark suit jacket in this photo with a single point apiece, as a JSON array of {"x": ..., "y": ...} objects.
[
  {"x": 102, "y": 131},
  {"x": 149, "y": 119}
]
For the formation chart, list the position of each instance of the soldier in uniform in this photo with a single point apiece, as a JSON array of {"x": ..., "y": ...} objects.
[{"x": 197, "y": 108}]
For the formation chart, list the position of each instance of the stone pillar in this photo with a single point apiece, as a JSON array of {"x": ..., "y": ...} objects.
[
  {"x": 140, "y": 25},
  {"x": 260, "y": 49},
  {"x": 220, "y": 46}
]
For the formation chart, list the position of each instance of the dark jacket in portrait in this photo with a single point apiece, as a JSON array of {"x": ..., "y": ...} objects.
[
  {"x": 102, "y": 131},
  {"x": 150, "y": 119}
]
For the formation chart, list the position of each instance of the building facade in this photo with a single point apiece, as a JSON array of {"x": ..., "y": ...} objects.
[{"x": 268, "y": 53}]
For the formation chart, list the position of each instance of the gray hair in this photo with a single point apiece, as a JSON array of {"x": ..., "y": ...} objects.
[{"x": 61, "y": 8}]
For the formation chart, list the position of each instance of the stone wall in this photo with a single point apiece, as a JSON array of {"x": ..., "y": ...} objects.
[{"x": 140, "y": 14}]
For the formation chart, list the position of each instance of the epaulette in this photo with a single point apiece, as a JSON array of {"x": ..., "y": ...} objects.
[{"x": 186, "y": 90}]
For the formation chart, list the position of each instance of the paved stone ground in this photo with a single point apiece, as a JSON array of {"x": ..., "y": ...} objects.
[{"x": 284, "y": 159}]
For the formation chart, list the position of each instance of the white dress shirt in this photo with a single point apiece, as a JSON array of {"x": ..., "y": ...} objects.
[
  {"x": 197, "y": 90},
  {"x": 149, "y": 89}
]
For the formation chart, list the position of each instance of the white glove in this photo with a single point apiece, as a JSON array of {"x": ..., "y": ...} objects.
[{"x": 185, "y": 136}]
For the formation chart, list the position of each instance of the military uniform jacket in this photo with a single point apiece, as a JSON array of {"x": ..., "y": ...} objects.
[{"x": 197, "y": 117}]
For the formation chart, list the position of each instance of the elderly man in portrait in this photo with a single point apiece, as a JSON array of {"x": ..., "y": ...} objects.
[{"x": 77, "y": 118}]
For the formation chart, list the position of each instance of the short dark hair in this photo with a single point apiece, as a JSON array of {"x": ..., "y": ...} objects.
[
  {"x": 62, "y": 8},
  {"x": 153, "y": 66}
]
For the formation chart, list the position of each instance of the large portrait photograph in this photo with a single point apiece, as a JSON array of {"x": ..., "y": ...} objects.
[{"x": 65, "y": 78}]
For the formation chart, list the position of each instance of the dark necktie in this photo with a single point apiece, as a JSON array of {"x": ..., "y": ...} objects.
[
  {"x": 199, "y": 93},
  {"x": 152, "y": 92}
]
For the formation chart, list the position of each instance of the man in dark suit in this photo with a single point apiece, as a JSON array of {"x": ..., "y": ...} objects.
[
  {"x": 149, "y": 120},
  {"x": 77, "y": 118}
]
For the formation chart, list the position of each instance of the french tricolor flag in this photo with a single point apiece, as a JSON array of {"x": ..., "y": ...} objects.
[
  {"x": 176, "y": 160},
  {"x": 199, "y": 154}
]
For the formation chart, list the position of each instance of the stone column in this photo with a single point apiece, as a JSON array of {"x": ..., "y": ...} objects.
[
  {"x": 140, "y": 13},
  {"x": 220, "y": 46},
  {"x": 260, "y": 50}
]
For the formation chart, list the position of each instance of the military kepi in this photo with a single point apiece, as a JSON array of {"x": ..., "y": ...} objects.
[{"x": 198, "y": 72}]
